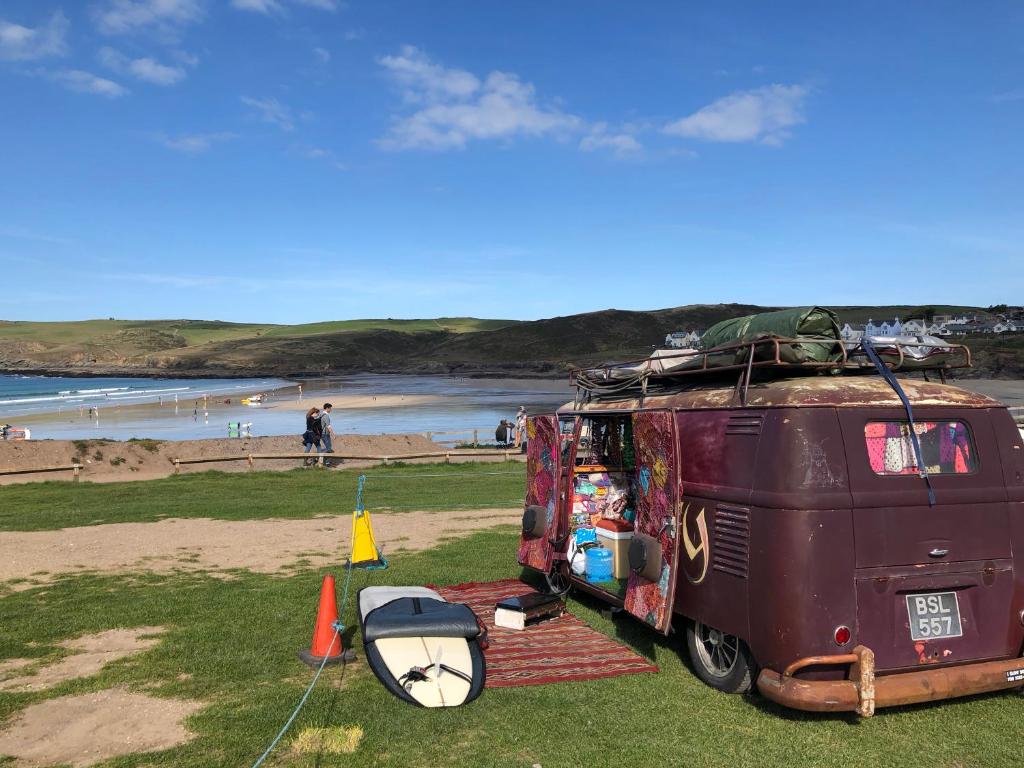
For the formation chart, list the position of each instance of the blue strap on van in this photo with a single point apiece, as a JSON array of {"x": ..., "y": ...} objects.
[{"x": 885, "y": 373}]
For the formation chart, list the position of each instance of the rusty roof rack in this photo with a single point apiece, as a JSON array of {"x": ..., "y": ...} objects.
[{"x": 638, "y": 377}]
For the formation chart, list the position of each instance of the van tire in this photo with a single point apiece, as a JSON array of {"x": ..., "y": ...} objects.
[{"x": 720, "y": 660}]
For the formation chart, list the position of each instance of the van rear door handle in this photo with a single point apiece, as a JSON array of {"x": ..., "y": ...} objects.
[{"x": 939, "y": 552}]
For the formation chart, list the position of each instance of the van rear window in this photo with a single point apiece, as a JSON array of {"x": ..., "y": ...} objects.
[{"x": 946, "y": 447}]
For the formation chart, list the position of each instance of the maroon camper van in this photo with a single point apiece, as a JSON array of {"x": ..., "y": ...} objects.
[{"x": 784, "y": 525}]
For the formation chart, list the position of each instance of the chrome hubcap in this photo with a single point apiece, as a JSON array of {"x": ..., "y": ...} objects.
[{"x": 716, "y": 650}]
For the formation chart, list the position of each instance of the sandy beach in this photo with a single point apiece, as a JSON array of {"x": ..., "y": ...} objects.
[
  {"x": 346, "y": 402},
  {"x": 363, "y": 404}
]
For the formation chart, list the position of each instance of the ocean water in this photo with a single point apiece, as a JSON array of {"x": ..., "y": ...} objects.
[
  {"x": 170, "y": 409},
  {"x": 23, "y": 395}
]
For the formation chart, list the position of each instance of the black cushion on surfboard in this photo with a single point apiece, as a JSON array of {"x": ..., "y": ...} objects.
[
  {"x": 423, "y": 649},
  {"x": 419, "y": 617}
]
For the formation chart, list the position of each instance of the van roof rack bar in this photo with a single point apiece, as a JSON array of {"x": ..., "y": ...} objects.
[{"x": 600, "y": 380}]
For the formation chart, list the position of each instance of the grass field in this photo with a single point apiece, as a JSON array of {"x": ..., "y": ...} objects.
[
  {"x": 231, "y": 644},
  {"x": 450, "y": 324},
  {"x": 300, "y": 493}
]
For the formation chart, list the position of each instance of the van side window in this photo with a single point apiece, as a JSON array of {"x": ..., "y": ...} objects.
[{"x": 946, "y": 447}]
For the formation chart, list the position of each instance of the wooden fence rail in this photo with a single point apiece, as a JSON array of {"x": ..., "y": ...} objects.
[
  {"x": 321, "y": 457},
  {"x": 76, "y": 468},
  {"x": 462, "y": 433}
]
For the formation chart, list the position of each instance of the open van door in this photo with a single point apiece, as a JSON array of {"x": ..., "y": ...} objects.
[
  {"x": 653, "y": 551},
  {"x": 540, "y": 518}
]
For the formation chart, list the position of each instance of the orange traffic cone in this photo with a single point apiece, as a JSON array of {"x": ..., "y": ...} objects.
[{"x": 326, "y": 639}]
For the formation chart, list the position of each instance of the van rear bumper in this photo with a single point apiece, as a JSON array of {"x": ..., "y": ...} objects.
[{"x": 862, "y": 692}]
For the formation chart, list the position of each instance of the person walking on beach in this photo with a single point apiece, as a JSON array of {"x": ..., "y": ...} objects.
[
  {"x": 520, "y": 426},
  {"x": 326, "y": 430},
  {"x": 311, "y": 437}
]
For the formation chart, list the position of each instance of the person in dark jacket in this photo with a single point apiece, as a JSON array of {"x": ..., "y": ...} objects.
[
  {"x": 314, "y": 432},
  {"x": 501, "y": 434}
]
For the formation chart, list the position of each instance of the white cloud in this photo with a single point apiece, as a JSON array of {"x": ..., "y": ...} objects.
[
  {"x": 271, "y": 111},
  {"x": 194, "y": 143},
  {"x": 424, "y": 80},
  {"x": 268, "y": 7},
  {"x": 86, "y": 82},
  {"x": 118, "y": 17},
  {"x": 454, "y": 107},
  {"x": 322, "y": 54},
  {"x": 323, "y": 155},
  {"x": 354, "y": 34},
  {"x": 322, "y": 5},
  {"x": 147, "y": 69},
  {"x": 622, "y": 143},
  {"x": 762, "y": 115},
  {"x": 18, "y": 43},
  {"x": 258, "y": 6},
  {"x": 186, "y": 58}
]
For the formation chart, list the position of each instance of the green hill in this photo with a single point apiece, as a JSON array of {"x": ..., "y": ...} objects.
[{"x": 461, "y": 345}]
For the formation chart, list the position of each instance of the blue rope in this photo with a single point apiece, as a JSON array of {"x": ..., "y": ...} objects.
[
  {"x": 890, "y": 378},
  {"x": 359, "y": 495},
  {"x": 338, "y": 628},
  {"x": 302, "y": 703}
]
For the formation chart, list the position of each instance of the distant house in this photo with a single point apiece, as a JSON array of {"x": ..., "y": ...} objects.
[
  {"x": 915, "y": 327},
  {"x": 885, "y": 328},
  {"x": 851, "y": 332},
  {"x": 941, "y": 320},
  {"x": 683, "y": 339}
]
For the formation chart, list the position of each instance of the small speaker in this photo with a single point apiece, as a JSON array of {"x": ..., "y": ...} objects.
[
  {"x": 645, "y": 556},
  {"x": 535, "y": 521}
]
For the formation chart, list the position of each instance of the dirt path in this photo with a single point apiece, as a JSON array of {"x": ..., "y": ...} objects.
[
  {"x": 265, "y": 546},
  {"x": 89, "y": 728}
]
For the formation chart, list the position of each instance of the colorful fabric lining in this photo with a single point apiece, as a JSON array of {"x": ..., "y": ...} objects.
[
  {"x": 946, "y": 447},
  {"x": 655, "y": 489},
  {"x": 541, "y": 467}
]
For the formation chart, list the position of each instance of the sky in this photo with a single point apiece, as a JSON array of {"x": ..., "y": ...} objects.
[{"x": 304, "y": 160}]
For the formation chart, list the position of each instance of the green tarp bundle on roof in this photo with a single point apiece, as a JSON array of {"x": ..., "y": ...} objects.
[{"x": 805, "y": 323}]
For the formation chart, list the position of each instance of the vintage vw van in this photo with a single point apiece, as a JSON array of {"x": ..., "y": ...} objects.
[{"x": 785, "y": 527}]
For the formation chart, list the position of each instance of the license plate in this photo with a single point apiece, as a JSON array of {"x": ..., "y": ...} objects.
[{"x": 934, "y": 616}]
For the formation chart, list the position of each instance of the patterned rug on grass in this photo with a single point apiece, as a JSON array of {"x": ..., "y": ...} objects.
[{"x": 555, "y": 651}]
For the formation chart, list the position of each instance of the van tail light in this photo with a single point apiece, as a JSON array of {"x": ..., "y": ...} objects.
[{"x": 842, "y": 635}]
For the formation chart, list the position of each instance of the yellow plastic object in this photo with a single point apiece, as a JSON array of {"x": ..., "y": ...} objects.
[{"x": 364, "y": 547}]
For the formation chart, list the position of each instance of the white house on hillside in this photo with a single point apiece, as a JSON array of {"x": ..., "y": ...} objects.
[{"x": 683, "y": 339}]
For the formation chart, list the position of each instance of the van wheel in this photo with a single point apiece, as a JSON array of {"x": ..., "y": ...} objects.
[
  {"x": 558, "y": 579},
  {"x": 720, "y": 660}
]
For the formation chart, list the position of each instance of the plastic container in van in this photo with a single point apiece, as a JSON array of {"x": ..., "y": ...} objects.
[{"x": 599, "y": 565}]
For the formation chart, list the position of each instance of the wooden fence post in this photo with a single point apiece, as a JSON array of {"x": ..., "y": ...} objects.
[
  {"x": 476, "y": 439},
  {"x": 387, "y": 460},
  {"x": 447, "y": 458},
  {"x": 77, "y": 470},
  {"x": 177, "y": 466},
  {"x": 251, "y": 463}
]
